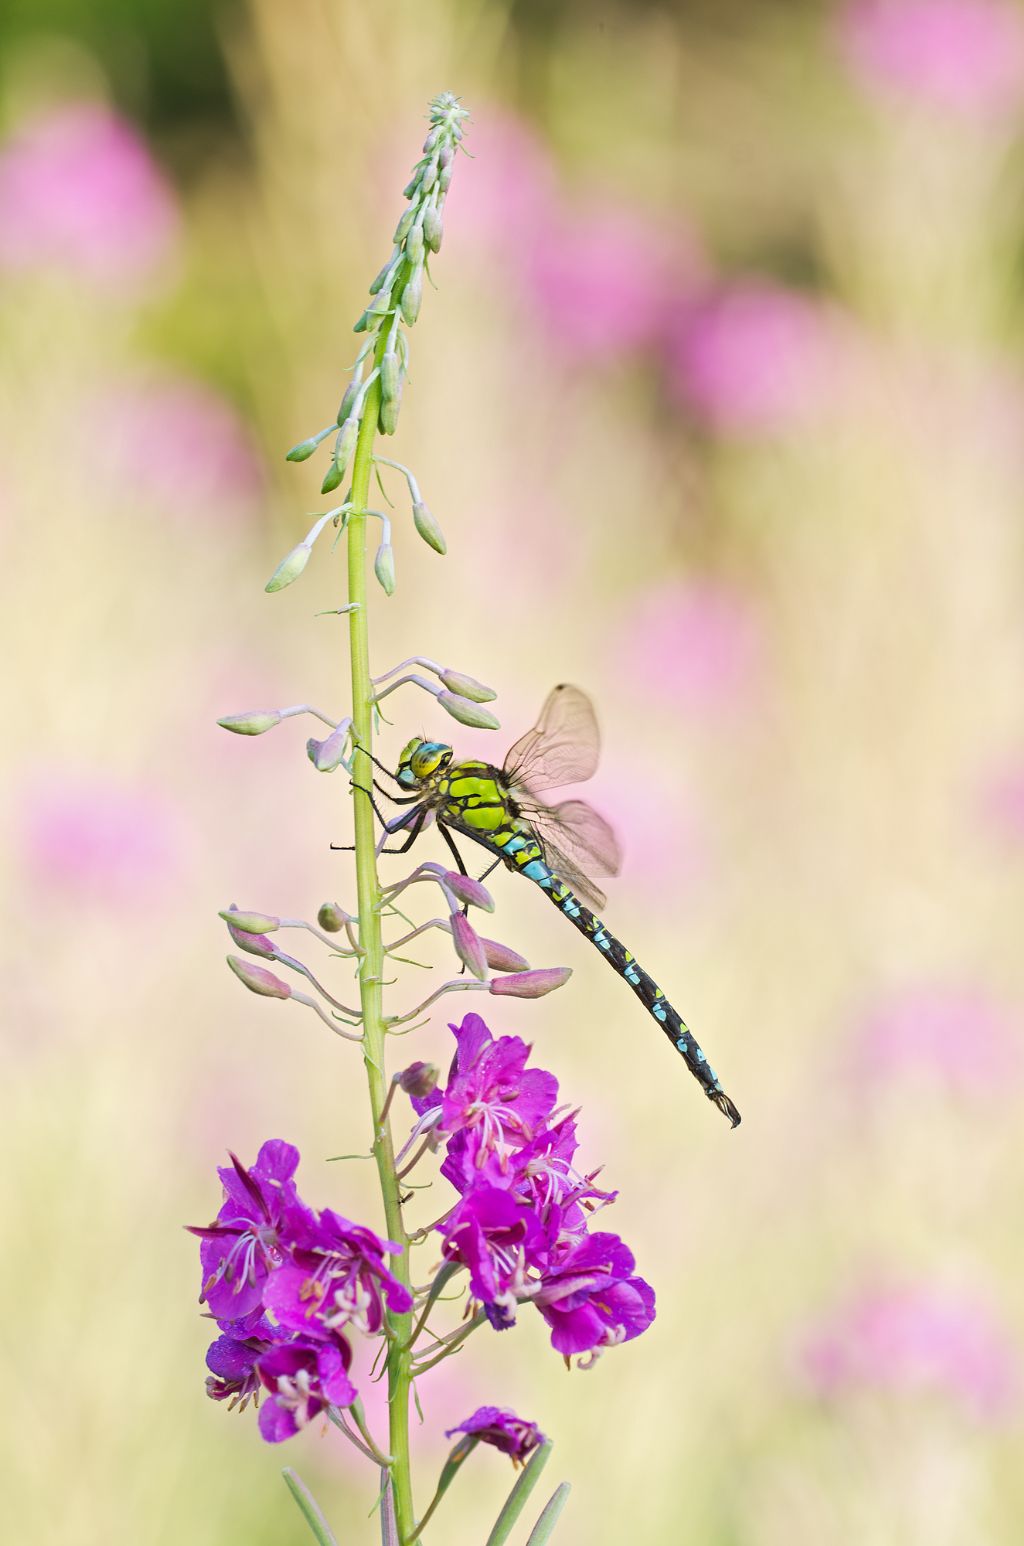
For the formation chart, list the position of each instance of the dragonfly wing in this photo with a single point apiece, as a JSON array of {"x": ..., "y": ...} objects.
[
  {"x": 579, "y": 844},
  {"x": 563, "y": 746}
]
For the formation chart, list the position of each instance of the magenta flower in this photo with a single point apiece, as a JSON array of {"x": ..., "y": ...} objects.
[
  {"x": 964, "y": 56},
  {"x": 500, "y": 1241},
  {"x": 303, "y": 1377},
  {"x": 590, "y": 1297},
  {"x": 232, "y": 1360},
  {"x": 80, "y": 191},
  {"x": 252, "y": 1231},
  {"x": 496, "y": 1425},
  {"x": 914, "y": 1339},
  {"x": 755, "y": 359},
  {"x": 335, "y": 1277},
  {"x": 491, "y": 1094}
]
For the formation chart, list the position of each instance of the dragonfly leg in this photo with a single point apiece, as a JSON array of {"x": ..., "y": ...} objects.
[
  {"x": 455, "y": 852},
  {"x": 490, "y": 869},
  {"x": 415, "y": 828}
]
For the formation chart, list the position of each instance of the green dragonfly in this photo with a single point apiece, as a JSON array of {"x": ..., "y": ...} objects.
[{"x": 559, "y": 847}]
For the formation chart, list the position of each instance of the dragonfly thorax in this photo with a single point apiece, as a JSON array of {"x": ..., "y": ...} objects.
[{"x": 421, "y": 760}]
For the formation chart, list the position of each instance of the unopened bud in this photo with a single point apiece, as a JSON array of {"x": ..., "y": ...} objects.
[
  {"x": 332, "y": 478},
  {"x": 428, "y": 177},
  {"x": 404, "y": 226},
  {"x": 411, "y": 186},
  {"x": 428, "y": 528},
  {"x": 531, "y": 984},
  {"x": 387, "y": 414},
  {"x": 431, "y": 140},
  {"x": 256, "y": 944},
  {"x": 502, "y": 958},
  {"x": 389, "y": 375},
  {"x": 289, "y": 569},
  {"x": 363, "y": 323},
  {"x": 258, "y": 980},
  {"x": 328, "y": 754},
  {"x": 256, "y": 723},
  {"x": 433, "y": 229},
  {"x": 419, "y": 1079},
  {"x": 381, "y": 304},
  {"x": 412, "y": 296},
  {"x": 384, "y": 568},
  {"x": 347, "y": 402},
  {"x": 446, "y": 155},
  {"x": 468, "y": 947},
  {"x": 414, "y": 244},
  {"x": 465, "y": 889},
  {"x": 250, "y": 923},
  {"x": 378, "y": 283},
  {"x": 332, "y": 918},
  {"x": 306, "y": 448},
  {"x": 467, "y": 712},
  {"x": 444, "y": 177},
  {"x": 467, "y": 686}
]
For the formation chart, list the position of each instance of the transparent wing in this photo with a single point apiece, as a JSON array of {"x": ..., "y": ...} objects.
[
  {"x": 562, "y": 748},
  {"x": 578, "y": 844}
]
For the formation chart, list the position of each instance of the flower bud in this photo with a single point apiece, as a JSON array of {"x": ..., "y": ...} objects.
[
  {"x": 502, "y": 958},
  {"x": 531, "y": 984},
  {"x": 444, "y": 177},
  {"x": 289, "y": 569},
  {"x": 256, "y": 944},
  {"x": 467, "y": 945},
  {"x": 433, "y": 229},
  {"x": 389, "y": 375},
  {"x": 418, "y": 1079},
  {"x": 328, "y": 754},
  {"x": 467, "y": 712},
  {"x": 256, "y": 723},
  {"x": 414, "y": 244},
  {"x": 446, "y": 155},
  {"x": 379, "y": 282},
  {"x": 412, "y": 296},
  {"x": 306, "y": 448},
  {"x": 258, "y": 980},
  {"x": 384, "y": 568},
  {"x": 387, "y": 414},
  {"x": 404, "y": 226},
  {"x": 347, "y": 402},
  {"x": 465, "y": 889},
  {"x": 467, "y": 686},
  {"x": 332, "y": 478},
  {"x": 250, "y": 923},
  {"x": 332, "y": 918},
  {"x": 363, "y": 323},
  {"x": 410, "y": 188},
  {"x": 428, "y": 528},
  {"x": 431, "y": 139},
  {"x": 428, "y": 177}
]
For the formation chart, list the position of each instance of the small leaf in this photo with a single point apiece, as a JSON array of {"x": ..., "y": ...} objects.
[
  {"x": 309, "y": 1508},
  {"x": 519, "y": 1496},
  {"x": 544, "y": 1528}
]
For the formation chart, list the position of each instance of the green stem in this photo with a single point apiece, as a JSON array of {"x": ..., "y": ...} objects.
[{"x": 372, "y": 961}]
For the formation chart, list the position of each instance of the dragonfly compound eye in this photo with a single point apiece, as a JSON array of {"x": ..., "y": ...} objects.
[{"x": 428, "y": 757}]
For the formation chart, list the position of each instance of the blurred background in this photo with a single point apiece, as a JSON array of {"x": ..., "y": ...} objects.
[{"x": 720, "y": 404}]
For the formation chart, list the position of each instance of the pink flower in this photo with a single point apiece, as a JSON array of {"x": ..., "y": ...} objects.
[
  {"x": 606, "y": 275},
  {"x": 914, "y": 1340},
  {"x": 87, "y": 837},
  {"x": 694, "y": 643},
  {"x": 178, "y": 444},
  {"x": 958, "y": 1035},
  {"x": 754, "y": 359},
  {"x": 964, "y": 56},
  {"x": 79, "y": 190}
]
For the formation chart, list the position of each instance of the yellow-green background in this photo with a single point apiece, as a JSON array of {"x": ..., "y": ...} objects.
[{"x": 821, "y": 795}]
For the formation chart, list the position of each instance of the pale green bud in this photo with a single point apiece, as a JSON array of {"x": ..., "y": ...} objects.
[
  {"x": 404, "y": 226},
  {"x": 445, "y": 156},
  {"x": 428, "y": 177},
  {"x": 467, "y": 686},
  {"x": 412, "y": 296},
  {"x": 428, "y": 528},
  {"x": 444, "y": 177},
  {"x": 433, "y": 229},
  {"x": 467, "y": 712},
  {"x": 382, "y": 277},
  {"x": 389, "y": 375},
  {"x": 258, "y": 980},
  {"x": 332, "y": 918},
  {"x": 250, "y": 923},
  {"x": 384, "y": 568},
  {"x": 431, "y": 140},
  {"x": 387, "y": 416},
  {"x": 343, "y": 448},
  {"x": 289, "y": 569},
  {"x": 348, "y": 401},
  {"x": 414, "y": 244},
  {"x": 363, "y": 323},
  {"x": 306, "y": 448},
  {"x": 332, "y": 477},
  {"x": 411, "y": 186},
  {"x": 257, "y": 723}
]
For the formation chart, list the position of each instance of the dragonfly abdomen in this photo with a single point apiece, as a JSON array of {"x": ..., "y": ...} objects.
[{"x": 526, "y": 854}]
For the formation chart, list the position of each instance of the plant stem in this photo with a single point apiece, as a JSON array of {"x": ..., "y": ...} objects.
[{"x": 372, "y": 961}]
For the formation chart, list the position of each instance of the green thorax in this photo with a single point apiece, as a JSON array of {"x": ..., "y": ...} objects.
[{"x": 475, "y": 797}]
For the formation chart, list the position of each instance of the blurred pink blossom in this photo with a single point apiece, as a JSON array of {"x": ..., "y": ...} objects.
[
  {"x": 955, "y": 55},
  {"x": 914, "y": 1340},
  {"x": 505, "y": 198},
  {"x": 174, "y": 442},
  {"x": 80, "y": 190},
  {"x": 1003, "y": 802},
  {"x": 606, "y": 277},
  {"x": 695, "y": 643},
  {"x": 89, "y": 837},
  {"x": 958, "y": 1035},
  {"x": 754, "y": 358}
]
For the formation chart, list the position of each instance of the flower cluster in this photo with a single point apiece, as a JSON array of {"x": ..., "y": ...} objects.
[
  {"x": 520, "y": 1226},
  {"x": 285, "y": 1284}
]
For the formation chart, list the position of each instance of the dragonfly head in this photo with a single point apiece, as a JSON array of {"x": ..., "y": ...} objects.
[{"x": 420, "y": 760}]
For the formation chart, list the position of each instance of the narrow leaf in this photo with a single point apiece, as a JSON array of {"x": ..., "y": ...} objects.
[
  {"x": 545, "y": 1526},
  {"x": 309, "y": 1508},
  {"x": 519, "y": 1496},
  {"x": 388, "y": 1521}
]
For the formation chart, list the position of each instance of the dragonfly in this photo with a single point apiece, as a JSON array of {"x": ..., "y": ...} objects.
[{"x": 561, "y": 848}]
